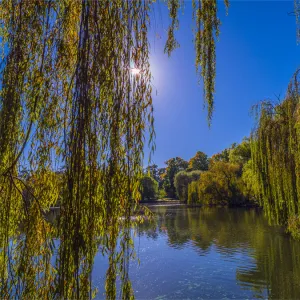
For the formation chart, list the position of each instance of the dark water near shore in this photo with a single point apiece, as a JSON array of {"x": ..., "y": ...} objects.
[{"x": 211, "y": 253}]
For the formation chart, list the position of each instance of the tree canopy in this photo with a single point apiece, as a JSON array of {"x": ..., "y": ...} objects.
[
  {"x": 174, "y": 165},
  {"x": 198, "y": 162}
]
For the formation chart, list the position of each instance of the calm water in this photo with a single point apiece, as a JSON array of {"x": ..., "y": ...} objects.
[{"x": 213, "y": 253}]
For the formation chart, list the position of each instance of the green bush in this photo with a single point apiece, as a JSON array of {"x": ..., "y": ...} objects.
[{"x": 221, "y": 184}]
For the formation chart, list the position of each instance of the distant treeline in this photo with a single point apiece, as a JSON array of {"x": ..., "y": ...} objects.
[{"x": 218, "y": 180}]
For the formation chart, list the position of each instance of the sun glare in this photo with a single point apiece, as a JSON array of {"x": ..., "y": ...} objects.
[{"x": 135, "y": 71}]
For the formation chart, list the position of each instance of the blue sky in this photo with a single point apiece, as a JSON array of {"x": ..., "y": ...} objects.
[{"x": 257, "y": 54}]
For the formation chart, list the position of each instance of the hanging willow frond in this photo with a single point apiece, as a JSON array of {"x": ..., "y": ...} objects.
[
  {"x": 297, "y": 15},
  {"x": 276, "y": 153},
  {"x": 73, "y": 119},
  {"x": 206, "y": 32}
]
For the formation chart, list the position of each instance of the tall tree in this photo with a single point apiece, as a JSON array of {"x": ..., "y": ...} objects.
[
  {"x": 174, "y": 165},
  {"x": 198, "y": 162},
  {"x": 276, "y": 155},
  {"x": 161, "y": 174},
  {"x": 153, "y": 172},
  {"x": 181, "y": 182}
]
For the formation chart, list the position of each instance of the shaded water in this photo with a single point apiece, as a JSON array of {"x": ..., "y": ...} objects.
[{"x": 213, "y": 253}]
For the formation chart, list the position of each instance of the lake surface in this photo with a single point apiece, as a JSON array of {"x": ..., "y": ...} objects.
[{"x": 211, "y": 253}]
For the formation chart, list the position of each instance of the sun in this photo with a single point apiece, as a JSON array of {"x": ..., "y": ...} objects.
[{"x": 135, "y": 71}]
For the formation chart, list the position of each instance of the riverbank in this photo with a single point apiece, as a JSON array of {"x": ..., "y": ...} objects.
[{"x": 171, "y": 201}]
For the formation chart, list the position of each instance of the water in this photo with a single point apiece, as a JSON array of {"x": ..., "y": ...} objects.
[{"x": 212, "y": 253}]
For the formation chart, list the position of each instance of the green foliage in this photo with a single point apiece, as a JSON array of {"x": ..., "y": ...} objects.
[
  {"x": 182, "y": 181},
  {"x": 276, "y": 156},
  {"x": 148, "y": 188},
  {"x": 250, "y": 186},
  {"x": 198, "y": 162}
]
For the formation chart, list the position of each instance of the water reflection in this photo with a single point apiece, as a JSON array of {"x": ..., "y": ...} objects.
[
  {"x": 185, "y": 253},
  {"x": 266, "y": 261},
  {"x": 44, "y": 257}
]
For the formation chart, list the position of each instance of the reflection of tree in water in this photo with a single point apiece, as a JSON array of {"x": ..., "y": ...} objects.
[
  {"x": 278, "y": 264},
  {"x": 276, "y": 260},
  {"x": 42, "y": 263}
]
